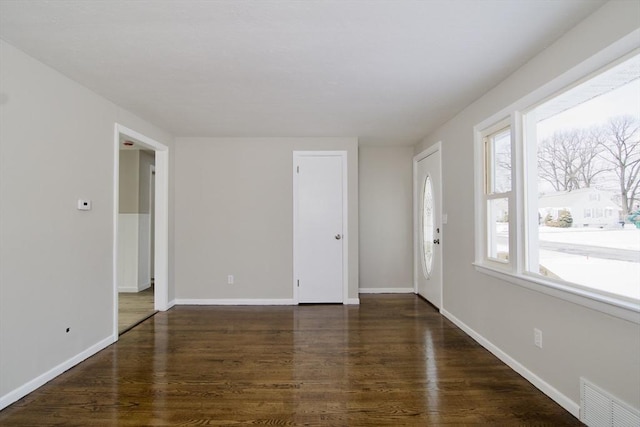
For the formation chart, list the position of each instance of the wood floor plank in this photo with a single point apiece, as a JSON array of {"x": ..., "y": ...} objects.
[
  {"x": 133, "y": 307},
  {"x": 392, "y": 361}
]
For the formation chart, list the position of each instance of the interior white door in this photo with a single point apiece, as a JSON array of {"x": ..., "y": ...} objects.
[
  {"x": 428, "y": 253},
  {"x": 318, "y": 229}
]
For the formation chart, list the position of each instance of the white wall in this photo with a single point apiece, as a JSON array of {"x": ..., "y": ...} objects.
[
  {"x": 234, "y": 215},
  {"x": 56, "y": 145},
  {"x": 578, "y": 341},
  {"x": 147, "y": 159},
  {"x": 386, "y": 220},
  {"x": 128, "y": 183}
]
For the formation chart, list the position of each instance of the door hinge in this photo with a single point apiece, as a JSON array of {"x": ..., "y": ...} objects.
[
  {"x": 297, "y": 169},
  {"x": 298, "y": 283}
]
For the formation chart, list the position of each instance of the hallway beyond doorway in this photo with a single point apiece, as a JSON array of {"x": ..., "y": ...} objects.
[{"x": 133, "y": 308}]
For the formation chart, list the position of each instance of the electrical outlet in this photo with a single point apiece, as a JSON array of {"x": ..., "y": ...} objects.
[
  {"x": 230, "y": 279},
  {"x": 84, "y": 205},
  {"x": 537, "y": 337}
]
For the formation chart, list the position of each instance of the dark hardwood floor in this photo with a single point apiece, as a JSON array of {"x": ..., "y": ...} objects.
[
  {"x": 134, "y": 307},
  {"x": 392, "y": 361}
]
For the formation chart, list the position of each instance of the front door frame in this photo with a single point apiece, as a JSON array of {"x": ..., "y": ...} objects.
[
  {"x": 417, "y": 267},
  {"x": 345, "y": 217}
]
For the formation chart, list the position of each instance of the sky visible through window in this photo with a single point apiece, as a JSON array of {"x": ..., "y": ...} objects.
[{"x": 620, "y": 101}]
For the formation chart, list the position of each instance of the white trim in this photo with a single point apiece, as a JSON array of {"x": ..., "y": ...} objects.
[
  {"x": 572, "y": 407},
  {"x": 41, "y": 380},
  {"x": 133, "y": 290},
  {"x": 161, "y": 252},
  {"x": 479, "y": 208},
  {"x": 152, "y": 196},
  {"x": 387, "y": 290},
  {"x": 116, "y": 214},
  {"x": 353, "y": 301},
  {"x": 161, "y": 232},
  {"x": 236, "y": 301},
  {"x": 345, "y": 219},
  {"x": 294, "y": 177},
  {"x": 435, "y": 148}
]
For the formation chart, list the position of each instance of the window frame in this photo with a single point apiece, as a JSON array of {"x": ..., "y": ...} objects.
[
  {"x": 427, "y": 267},
  {"x": 488, "y": 194},
  {"x": 519, "y": 118}
]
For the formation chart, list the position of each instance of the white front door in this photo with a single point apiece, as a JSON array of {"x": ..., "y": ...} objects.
[
  {"x": 427, "y": 210},
  {"x": 318, "y": 227}
]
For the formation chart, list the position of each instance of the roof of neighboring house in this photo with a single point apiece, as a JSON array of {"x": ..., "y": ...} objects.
[{"x": 580, "y": 196}]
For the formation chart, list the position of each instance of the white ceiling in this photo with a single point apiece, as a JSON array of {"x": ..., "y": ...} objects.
[{"x": 387, "y": 72}]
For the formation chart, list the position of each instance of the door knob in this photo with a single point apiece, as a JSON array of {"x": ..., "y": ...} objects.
[{"x": 338, "y": 237}]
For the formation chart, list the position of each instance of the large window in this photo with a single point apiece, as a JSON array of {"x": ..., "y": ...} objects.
[{"x": 572, "y": 194}]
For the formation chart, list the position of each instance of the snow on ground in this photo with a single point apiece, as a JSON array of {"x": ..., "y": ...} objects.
[
  {"x": 623, "y": 238},
  {"x": 617, "y": 277}
]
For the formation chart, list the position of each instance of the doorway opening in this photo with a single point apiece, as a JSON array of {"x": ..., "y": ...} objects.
[
  {"x": 135, "y": 275},
  {"x": 140, "y": 229}
]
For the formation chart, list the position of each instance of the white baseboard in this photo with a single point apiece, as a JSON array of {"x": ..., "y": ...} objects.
[
  {"x": 134, "y": 289},
  {"x": 241, "y": 301},
  {"x": 354, "y": 301},
  {"x": 572, "y": 407},
  {"x": 170, "y": 304},
  {"x": 386, "y": 290},
  {"x": 41, "y": 380}
]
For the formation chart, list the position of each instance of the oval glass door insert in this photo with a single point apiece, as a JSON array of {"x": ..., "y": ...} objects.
[{"x": 427, "y": 226}]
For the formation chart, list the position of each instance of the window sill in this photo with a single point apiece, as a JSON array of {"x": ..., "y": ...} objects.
[{"x": 613, "y": 306}]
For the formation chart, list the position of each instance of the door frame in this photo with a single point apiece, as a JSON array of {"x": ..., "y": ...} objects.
[
  {"x": 161, "y": 213},
  {"x": 435, "y": 148},
  {"x": 152, "y": 229},
  {"x": 345, "y": 216}
]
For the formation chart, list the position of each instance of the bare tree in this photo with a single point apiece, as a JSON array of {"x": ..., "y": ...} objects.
[
  {"x": 568, "y": 160},
  {"x": 590, "y": 154},
  {"x": 622, "y": 151},
  {"x": 556, "y": 159}
]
